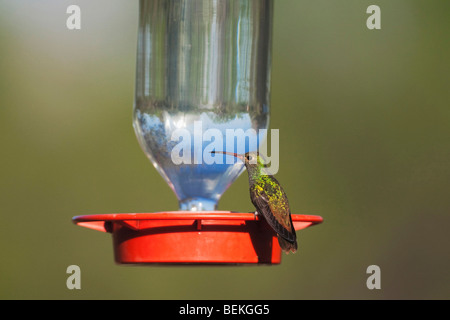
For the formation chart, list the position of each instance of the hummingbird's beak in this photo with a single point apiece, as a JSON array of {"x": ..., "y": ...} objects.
[{"x": 239, "y": 156}]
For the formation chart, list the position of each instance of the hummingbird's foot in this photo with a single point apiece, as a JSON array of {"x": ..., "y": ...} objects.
[{"x": 256, "y": 214}]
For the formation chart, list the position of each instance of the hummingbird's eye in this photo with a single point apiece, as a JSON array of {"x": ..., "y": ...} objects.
[{"x": 249, "y": 158}]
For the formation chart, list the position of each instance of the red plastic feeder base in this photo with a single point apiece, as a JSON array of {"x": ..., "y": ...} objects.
[{"x": 218, "y": 237}]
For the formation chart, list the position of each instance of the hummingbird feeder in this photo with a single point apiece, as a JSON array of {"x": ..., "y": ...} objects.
[{"x": 203, "y": 71}]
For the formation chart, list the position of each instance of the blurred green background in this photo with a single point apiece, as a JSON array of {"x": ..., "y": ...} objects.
[{"x": 365, "y": 143}]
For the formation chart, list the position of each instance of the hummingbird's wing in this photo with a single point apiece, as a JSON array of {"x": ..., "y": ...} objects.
[{"x": 270, "y": 200}]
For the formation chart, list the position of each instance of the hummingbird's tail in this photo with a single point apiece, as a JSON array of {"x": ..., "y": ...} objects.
[{"x": 287, "y": 246}]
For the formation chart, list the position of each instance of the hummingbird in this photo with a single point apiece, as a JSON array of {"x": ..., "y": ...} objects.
[{"x": 269, "y": 199}]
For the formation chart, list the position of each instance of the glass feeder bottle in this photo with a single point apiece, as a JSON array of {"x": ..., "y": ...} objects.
[{"x": 201, "y": 64}]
